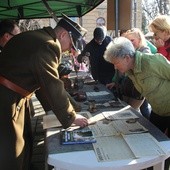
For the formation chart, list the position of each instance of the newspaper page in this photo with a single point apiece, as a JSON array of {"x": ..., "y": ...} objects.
[
  {"x": 96, "y": 118},
  {"x": 123, "y": 139},
  {"x": 117, "y": 127},
  {"x": 103, "y": 128},
  {"x": 124, "y": 113},
  {"x": 127, "y": 127},
  {"x": 111, "y": 148},
  {"x": 92, "y": 119},
  {"x": 144, "y": 145}
]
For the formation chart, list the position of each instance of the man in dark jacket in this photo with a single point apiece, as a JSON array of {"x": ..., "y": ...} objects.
[
  {"x": 28, "y": 62},
  {"x": 101, "y": 70},
  {"x": 8, "y": 29}
]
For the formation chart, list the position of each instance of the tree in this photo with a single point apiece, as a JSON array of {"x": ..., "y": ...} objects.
[
  {"x": 29, "y": 24},
  {"x": 152, "y": 8}
]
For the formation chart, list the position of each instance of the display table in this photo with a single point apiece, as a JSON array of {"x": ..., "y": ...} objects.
[
  {"x": 82, "y": 157},
  {"x": 86, "y": 160}
]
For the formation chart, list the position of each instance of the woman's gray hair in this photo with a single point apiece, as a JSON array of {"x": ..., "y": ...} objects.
[{"x": 119, "y": 47}]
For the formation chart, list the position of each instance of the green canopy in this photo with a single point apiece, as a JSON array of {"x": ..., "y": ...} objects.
[{"x": 29, "y": 9}]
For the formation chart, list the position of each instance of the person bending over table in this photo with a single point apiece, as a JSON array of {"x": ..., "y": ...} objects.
[
  {"x": 101, "y": 70},
  {"x": 28, "y": 62},
  {"x": 150, "y": 74}
]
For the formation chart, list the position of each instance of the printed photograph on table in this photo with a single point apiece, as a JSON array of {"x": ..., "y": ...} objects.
[
  {"x": 80, "y": 136},
  {"x": 124, "y": 113}
]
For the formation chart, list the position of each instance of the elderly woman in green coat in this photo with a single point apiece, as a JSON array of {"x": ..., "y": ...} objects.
[{"x": 150, "y": 74}]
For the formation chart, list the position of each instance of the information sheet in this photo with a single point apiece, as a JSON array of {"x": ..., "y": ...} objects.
[{"x": 124, "y": 113}]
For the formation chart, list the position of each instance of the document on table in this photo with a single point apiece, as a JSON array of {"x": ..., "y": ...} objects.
[
  {"x": 92, "y": 119},
  {"x": 144, "y": 145},
  {"x": 100, "y": 93},
  {"x": 110, "y": 148},
  {"x": 100, "y": 96},
  {"x": 103, "y": 128},
  {"x": 112, "y": 103},
  {"x": 117, "y": 127},
  {"x": 123, "y": 139},
  {"x": 128, "y": 127},
  {"x": 124, "y": 113},
  {"x": 50, "y": 121}
]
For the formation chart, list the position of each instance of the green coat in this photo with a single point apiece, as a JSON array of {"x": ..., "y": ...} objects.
[
  {"x": 30, "y": 60},
  {"x": 151, "y": 77}
]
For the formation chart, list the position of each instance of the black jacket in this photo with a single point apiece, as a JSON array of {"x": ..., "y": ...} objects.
[{"x": 100, "y": 69}]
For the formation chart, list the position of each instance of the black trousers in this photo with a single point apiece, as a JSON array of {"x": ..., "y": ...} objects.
[{"x": 161, "y": 122}]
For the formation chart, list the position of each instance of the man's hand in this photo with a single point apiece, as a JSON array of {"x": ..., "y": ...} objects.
[{"x": 80, "y": 121}]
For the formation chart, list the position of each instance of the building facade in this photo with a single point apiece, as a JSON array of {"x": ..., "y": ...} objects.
[{"x": 89, "y": 20}]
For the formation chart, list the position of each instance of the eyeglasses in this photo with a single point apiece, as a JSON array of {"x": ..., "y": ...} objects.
[{"x": 155, "y": 34}]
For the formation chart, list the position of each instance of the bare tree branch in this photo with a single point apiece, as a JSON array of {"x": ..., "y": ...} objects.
[{"x": 153, "y": 8}]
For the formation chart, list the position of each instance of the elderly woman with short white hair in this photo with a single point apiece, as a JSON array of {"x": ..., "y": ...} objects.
[{"x": 150, "y": 74}]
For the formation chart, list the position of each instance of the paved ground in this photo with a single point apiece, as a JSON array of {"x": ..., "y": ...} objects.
[{"x": 38, "y": 159}]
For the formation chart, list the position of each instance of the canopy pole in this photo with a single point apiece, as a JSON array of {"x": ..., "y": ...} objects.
[
  {"x": 50, "y": 11},
  {"x": 78, "y": 8},
  {"x": 117, "y": 12}
]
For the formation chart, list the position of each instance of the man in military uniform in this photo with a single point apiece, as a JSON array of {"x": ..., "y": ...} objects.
[{"x": 29, "y": 62}]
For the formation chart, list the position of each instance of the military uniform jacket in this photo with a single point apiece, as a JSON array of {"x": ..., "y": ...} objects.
[{"x": 30, "y": 60}]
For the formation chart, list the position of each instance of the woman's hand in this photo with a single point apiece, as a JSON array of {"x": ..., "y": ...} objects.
[{"x": 159, "y": 43}]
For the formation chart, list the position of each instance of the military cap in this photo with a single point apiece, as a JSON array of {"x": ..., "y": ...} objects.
[
  {"x": 74, "y": 29},
  {"x": 76, "y": 25}
]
